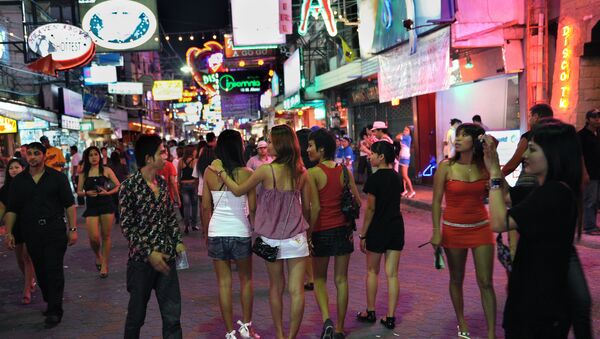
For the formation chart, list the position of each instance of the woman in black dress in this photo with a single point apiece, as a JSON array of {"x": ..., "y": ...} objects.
[
  {"x": 14, "y": 167},
  {"x": 98, "y": 183},
  {"x": 538, "y": 303}
]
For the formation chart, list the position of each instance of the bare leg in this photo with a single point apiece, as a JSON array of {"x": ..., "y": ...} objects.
[
  {"x": 223, "y": 270},
  {"x": 457, "y": 258},
  {"x": 373, "y": 265},
  {"x": 341, "y": 285},
  {"x": 22, "y": 258},
  {"x": 94, "y": 237},
  {"x": 407, "y": 182},
  {"x": 310, "y": 276},
  {"x": 296, "y": 269},
  {"x": 320, "y": 265},
  {"x": 276, "y": 284},
  {"x": 247, "y": 296},
  {"x": 106, "y": 224},
  {"x": 484, "y": 267},
  {"x": 392, "y": 259}
]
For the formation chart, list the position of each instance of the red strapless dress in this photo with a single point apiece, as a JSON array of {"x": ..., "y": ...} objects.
[{"x": 465, "y": 221}]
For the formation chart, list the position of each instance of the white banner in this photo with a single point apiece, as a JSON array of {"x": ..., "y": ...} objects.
[{"x": 402, "y": 75}]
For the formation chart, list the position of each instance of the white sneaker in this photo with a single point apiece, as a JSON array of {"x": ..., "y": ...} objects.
[
  {"x": 230, "y": 335},
  {"x": 246, "y": 331}
]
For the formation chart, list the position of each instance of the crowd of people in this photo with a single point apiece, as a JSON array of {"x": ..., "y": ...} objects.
[{"x": 296, "y": 195}]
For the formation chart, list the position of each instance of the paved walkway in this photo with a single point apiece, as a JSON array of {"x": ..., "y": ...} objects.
[{"x": 96, "y": 308}]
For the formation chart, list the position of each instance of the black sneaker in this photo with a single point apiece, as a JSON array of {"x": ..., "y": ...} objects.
[
  {"x": 309, "y": 286},
  {"x": 327, "y": 330}
]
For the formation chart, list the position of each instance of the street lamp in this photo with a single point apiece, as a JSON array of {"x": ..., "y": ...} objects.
[{"x": 186, "y": 69}]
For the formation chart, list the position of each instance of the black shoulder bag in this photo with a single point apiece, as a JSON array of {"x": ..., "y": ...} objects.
[
  {"x": 266, "y": 251},
  {"x": 350, "y": 207}
]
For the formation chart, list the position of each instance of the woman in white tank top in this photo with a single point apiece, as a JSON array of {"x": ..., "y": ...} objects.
[{"x": 227, "y": 221}]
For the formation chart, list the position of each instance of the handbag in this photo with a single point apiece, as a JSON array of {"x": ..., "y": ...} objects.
[
  {"x": 503, "y": 251},
  {"x": 266, "y": 251},
  {"x": 350, "y": 207}
]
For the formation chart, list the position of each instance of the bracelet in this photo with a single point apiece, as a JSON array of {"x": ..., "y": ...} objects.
[
  {"x": 362, "y": 237},
  {"x": 73, "y": 229},
  {"x": 496, "y": 183}
]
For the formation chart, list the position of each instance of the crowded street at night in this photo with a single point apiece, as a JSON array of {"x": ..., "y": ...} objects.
[{"x": 300, "y": 169}]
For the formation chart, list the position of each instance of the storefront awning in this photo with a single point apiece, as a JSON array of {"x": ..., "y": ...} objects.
[{"x": 22, "y": 112}]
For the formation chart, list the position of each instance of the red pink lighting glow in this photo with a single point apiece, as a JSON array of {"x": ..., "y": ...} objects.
[
  {"x": 565, "y": 67},
  {"x": 323, "y": 9}
]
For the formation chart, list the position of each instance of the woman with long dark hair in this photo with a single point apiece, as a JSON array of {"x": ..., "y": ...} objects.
[
  {"x": 283, "y": 208},
  {"x": 187, "y": 188},
  {"x": 228, "y": 219},
  {"x": 97, "y": 184},
  {"x": 545, "y": 278},
  {"x": 14, "y": 167},
  {"x": 463, "y": 181}
]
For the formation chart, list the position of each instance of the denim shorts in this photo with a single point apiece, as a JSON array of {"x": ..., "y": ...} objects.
[
  {"x": 229, "y": 248},
  {"x": 404, "y": 162},
  {"x": 333, "y": 242}
]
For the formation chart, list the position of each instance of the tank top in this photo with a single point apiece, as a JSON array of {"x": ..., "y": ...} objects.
[
  {"x": 330, "y": 199},
  {"x": 274, "y": 207},
  {"x": 187, "y": 171},
  {"x": 464, "y": 201},
  {"x": 92, "y": 184},
  {"x": 230, "y": 216}
]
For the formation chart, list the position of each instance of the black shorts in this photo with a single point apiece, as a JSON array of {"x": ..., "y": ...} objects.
[
  {"x": 333, "y": 242},
  {"x": 98, "y": 207},
  {"x": 380, "y": 242}
]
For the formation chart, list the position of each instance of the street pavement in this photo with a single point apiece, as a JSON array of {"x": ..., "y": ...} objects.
[{"x": 96, "y": 308}]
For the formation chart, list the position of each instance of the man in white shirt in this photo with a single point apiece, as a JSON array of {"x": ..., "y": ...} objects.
[
  {"x": 261, "y": 158},
  {"x": 450, "y": 137}
]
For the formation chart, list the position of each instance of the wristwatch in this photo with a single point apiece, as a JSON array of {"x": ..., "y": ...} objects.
[{"x": 73, "y": 229}]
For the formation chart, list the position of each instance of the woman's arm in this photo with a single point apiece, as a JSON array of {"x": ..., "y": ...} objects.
[
  {"x": 353, "y": 188},
  {"x": 2, "y": 210},
  {"x": 315, "y": 203},
  {"x": 305, "y": 193},
  {"x": 439, "y": 183},
  {"x": 80, "y": 191},
  {"x": 369, "y": 212},
  {"x": 241, "y": 189},
  {"x": 112, "y": 177},
  {"x": 245, "y": 174},
  {"x": 207, "y": 201}
]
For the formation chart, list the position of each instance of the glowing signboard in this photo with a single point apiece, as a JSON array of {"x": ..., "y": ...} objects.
[
  {"x": 126, "y": 88},
  {"x": 167, "y": 90},
  {"x": 36, "y": 123},
  {"x": 242, "y": 82},
  {"x": 565, "y": 66},
  {"x": 63, "y": 41},
  {"x": 68, "y": 122},
  {"x": 121, "y": 24},
  {"x": 208, "y": 59},
  {"x": 7, "y": 125},
  {"x": 323, "y": 8}
]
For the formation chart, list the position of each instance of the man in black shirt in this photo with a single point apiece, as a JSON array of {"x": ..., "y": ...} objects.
[
  {"x": 39, "y": 197},
  {"x": 590, "y": 146},
  {"x": 149, "y": 224}
]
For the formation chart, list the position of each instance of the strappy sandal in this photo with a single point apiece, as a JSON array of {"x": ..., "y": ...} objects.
[
  {"x": 463, "y": 335},
  {"x": 389, "y": 322},
  {"x": 369, "y": 318}
]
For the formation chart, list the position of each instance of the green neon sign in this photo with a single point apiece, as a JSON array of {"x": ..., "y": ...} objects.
[{"x": 228, "y": 83}]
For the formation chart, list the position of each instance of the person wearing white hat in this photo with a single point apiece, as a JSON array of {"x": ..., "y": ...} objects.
[
  {"x": 261, "y": 158},
  {"x": 380, "y": 131}
]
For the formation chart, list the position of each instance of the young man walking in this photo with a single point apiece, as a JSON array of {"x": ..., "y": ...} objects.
[
  {"x": 590, "y": 144},
  {"x": 149, "y": 224},
  {"x": 39, "y": 197}
]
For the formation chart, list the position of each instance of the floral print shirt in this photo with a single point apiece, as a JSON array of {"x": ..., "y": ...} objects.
[{"x": 147, "y": 222}]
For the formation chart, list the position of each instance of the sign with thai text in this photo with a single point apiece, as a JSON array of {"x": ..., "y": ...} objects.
[{"x": 7, "y": 125}]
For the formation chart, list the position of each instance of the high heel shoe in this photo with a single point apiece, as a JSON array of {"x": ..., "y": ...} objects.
[
  {"x": 463, "y": 335},
  {"x": 389, "y": 322},
  {"x": 369, "y": 318},
  {"x": 411, "y": 195}
]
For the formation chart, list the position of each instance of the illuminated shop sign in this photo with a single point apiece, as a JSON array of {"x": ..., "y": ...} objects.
[
  {"x": 121, "y": 24},
  {"x": 565, "y": 66},
  {"x": 86, "y": 126},
  {"x": 167, "y": 90},
  {"x": 189, "y": 95},
  {"x": 70, "y": 123},
  {"x": 323, "y": 9},
  {"x": 36, "y": 123},
  {"x": 7, "y": 125},
  {"x": 63, "y": 41},
  {"x": 240, "y": 82},
  {"x": 204, "y": 61},
  {"x": 292, "y": 101},
  {"x": 126, "y": 88}
]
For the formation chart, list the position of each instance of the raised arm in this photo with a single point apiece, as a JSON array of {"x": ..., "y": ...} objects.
[{"x": 239, "y": 189}]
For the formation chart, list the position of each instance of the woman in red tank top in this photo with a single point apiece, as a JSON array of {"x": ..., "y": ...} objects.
[
  {"x": 463, "y": 181},
  {"x": 329, "y": 231}
]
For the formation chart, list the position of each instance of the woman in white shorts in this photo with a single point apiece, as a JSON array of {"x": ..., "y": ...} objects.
[{"x": 283, "y": 208}]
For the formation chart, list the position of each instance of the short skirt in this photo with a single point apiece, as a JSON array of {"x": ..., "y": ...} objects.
[
  {"x": 98, "y": 207},
  {"x": 294, "y": 247},
  {"x": 467, "y": 237},
  {"x": 405, "y": 162}
]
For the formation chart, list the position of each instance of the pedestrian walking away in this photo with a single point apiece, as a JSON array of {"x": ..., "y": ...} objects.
[
  {"x": 382, "y": 233},
  {"x": 149, "y": 224},
  {"x": 39, "y": 198},
  {"x": 97, "y": 184},
  {"x": 228, "y": 223},
  {"x": 464, "y": 223},
  {"x": 590, "y": 144},
  {"x": 282, "y": 211}
]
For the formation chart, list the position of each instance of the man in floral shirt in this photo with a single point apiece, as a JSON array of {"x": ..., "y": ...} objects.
[{"x": 149, "y": 224}]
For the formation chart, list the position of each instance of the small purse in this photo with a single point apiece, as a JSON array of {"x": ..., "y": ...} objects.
[
  {"x": 266, "y": 251},
  {"x": 503, "y": 251},
  {"x": 350, "y": 207}
]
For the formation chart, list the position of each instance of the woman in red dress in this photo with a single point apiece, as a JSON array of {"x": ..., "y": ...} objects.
[{"x": 465, "y": 224}]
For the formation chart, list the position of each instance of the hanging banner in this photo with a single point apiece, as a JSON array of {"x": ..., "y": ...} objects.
[
  {"x": 285, "y": 17},
  {"x": 402, "y": 75},
  {"x": 7, "y": 125}
]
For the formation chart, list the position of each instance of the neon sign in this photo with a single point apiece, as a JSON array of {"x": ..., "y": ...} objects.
[
  {"x": 210, "y": 56},
  {"x": 565, "y": 67},
  {"x": 323, "y": 8},
  {"x": 228, "y": 83}
]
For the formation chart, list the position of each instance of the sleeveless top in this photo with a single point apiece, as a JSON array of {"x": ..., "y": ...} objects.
[
  {"x": 187, "y": 171},
  {"x": 464, "y": 202},
  {"x": 330, "y": 199},
  {"x": 274, "y": 207},
  {"x": 92, "y": 184},
  {"x": 230, "y": 216}
]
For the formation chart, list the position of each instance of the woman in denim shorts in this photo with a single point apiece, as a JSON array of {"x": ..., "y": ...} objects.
[
  {"x": 229, "y": 230},
  {"x": 329, "y": 230}
]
